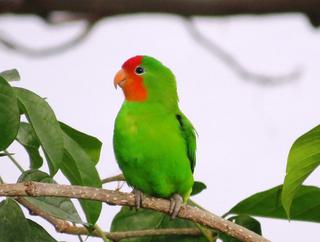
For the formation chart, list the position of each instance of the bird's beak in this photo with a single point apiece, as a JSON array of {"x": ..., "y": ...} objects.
[{"x": 120, "y": 78}]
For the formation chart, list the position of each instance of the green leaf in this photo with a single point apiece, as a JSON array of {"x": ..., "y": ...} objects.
[
  {"x": 128, "y": 220},
  {"x": 28, "y": 139},
  {"x": 304, "y": 158},
  {"x": 198, "y": 187},
  {"x": 39, "y": 234},
  {"x": 245, "y": 221},
  {"x": 90, "y": 144},
  {"x": 46, "y": 127},
  {"x": 80, "y": 170},
  {"x": 11, "y": 75},
  {"x": 305, "y": 205},
  {"x": 13, "y": 225},
  {"x": 9, "y": 114},
  {"x": 58, "y": 207}
]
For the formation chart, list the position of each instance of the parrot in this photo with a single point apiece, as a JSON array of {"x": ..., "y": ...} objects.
[{"x": 153, "y": 141}]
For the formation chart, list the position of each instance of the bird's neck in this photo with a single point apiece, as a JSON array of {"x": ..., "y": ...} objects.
[{"x": 147, "y": 108}]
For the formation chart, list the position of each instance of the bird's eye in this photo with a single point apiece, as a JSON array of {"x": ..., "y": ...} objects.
[{"x": 139, "y": 70}]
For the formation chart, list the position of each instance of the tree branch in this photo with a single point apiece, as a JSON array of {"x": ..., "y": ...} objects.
[
  {"x": 194, "y": 214},
  {"x": 119, "y": 177},
  {"x": 47, "y": 51},
  {"x": 185, "y": 7},
  {"x": 234, "y": 64},
  {"x": 63, "y": 226}
]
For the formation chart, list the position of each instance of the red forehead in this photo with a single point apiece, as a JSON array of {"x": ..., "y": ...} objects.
[{"x": 131, "y": 63}]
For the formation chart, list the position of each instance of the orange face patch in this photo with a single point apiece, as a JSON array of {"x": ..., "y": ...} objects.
[{"x": 133, "y": 87}]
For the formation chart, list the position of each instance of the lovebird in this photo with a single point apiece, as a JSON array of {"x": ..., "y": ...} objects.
[{"x": 154, "y": 142}]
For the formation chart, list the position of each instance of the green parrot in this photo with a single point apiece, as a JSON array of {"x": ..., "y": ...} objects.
[{"x": 154, "y": 142}]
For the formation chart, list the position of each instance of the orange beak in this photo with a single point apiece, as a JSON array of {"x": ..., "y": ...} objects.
[{"x": 120, "y": 78}]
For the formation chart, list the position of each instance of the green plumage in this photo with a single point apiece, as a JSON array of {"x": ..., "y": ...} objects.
[{"x": 154, "y": 142}]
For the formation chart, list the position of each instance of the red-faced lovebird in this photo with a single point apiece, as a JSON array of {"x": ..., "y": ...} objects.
[{"x": 154, "y": 142}]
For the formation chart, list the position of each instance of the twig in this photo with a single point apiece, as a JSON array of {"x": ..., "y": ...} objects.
[
  {"x": 79, "y": 237},
  {"x": 119, "y": 177},
  {"x": 48, "y": 51},
  {"x": 194, "y": 214},
  {"x": 234, "y": 64},
  {"x": 14, "y": 161},
  {"x": 65, "y": 227}
]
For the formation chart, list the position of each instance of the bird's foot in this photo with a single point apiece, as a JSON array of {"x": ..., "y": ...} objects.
[
  {"x": 138, "y": 196},
  {"x": 175, "y": 205}
]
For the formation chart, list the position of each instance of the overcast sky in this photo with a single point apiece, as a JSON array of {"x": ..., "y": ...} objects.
[{"x": 245, "y": 130}]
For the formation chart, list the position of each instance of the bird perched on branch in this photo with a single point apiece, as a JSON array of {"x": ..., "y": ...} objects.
[{"x": 154, "y": 142}]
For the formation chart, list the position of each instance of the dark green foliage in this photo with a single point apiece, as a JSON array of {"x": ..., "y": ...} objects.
[
  {"x": 305, "y": 205},
  {"x": 13, "y": 225},
  {"x": 30, "y": 142},
  {"x": 198, "y": 187},
  {"x": 130, "y": 219},
  {"x": 44, "y": 123},
  {"x": 9, "y": 114},
  {"x": 91, "y": 145},
  {"x": 80, "y": 170},
  {"x": 39, "y": 234}
]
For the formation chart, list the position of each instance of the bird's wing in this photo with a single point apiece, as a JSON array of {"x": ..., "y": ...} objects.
[{"x": 189, "y": 135}]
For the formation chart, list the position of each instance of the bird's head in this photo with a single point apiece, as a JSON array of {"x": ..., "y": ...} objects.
[{"x": 145, "y": 79}]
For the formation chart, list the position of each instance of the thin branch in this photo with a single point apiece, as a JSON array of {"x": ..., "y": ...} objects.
[
  {"x": 79, "y": 237},
  {"x": 47, "y": 51},
  {"x": 119, "y": 177},
  {"x": 14, "y": 161},
  {"x": 59, "y": 224},
  {"x": 185, "y": 8},
  {"x": 63, "y": 226},
  {"x": 234, "y": 64},
  {"x": 36, "y": 189}
]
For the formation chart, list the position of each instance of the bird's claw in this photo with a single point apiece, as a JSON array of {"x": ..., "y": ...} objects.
[
  {"x": 175, "y": 205},
  {"x": 138, "y": 196}
]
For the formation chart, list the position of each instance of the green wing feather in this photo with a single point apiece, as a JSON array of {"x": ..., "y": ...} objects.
[{"x": 189, "y": 134}]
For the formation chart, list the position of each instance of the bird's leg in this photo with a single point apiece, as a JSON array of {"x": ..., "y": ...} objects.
[
  {"x": 138, "y": 196},
  {"x": 175, "y": 205}
]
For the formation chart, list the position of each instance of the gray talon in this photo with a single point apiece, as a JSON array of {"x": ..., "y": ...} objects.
[
  {"x": 175, "y": 205},
  {"x": 138, "y": 196}
]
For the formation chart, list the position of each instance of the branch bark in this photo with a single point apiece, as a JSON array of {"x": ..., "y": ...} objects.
[
  {"x": 36, "y": 189},
  {"x": 180, "y": 7},
  {"x": 119, "y": 177},
  {"x": 63, "y": 226}
]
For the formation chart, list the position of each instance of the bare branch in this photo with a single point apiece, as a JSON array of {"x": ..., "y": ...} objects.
[
  {"x": 194, "y": 214},
  {"x": 63, "y": 226},
  {"x": 119, "y": 177},
  {"x": 234, "y": 64},
  {"x": 59, "y": 224},
  {"x": 185, "y": 7},
  {"x": 48, "y": 51}
]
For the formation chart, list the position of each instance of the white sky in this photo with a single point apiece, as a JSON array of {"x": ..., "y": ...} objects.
[{"x": 245, "y": 130}]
